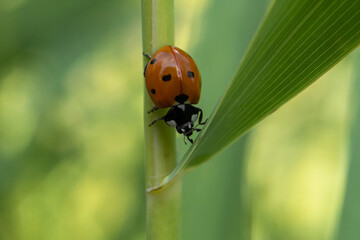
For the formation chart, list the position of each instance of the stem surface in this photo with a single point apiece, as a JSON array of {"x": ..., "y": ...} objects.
[{"x": 162, "y": 205}]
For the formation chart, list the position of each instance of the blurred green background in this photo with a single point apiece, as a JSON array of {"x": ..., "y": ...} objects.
[{"x": 71, "y": 129}]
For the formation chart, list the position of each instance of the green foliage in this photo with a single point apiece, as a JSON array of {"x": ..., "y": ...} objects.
[
  {"x": 348, "y": 228},
  {"x": 218, "y": 189},
  {"x": 297, "y": 43},
  {"x": 162, "y": 208}
]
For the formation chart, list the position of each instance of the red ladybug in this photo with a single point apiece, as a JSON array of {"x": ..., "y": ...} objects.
[{"x": 173, "y": 80}]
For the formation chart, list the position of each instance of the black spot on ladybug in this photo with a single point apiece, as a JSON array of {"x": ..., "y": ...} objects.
[
  {"x": 166, "y": 78},
  {"x": 152, "y": 91},
  {"x": 153, "y": 61},
  {"x": 190, "y": 74},
  {"x": 181, "y": 98}
]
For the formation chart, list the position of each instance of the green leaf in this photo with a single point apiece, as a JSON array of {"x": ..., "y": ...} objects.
[
  {"x": 348, "y": 225},
  {"x": 298, "y": 41}
]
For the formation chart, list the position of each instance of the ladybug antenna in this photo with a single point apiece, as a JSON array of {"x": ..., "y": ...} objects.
[{"x": 195, "y": 128}]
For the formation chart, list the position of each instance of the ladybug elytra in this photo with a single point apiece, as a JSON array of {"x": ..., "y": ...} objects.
[{"x": 173, "y": 80}]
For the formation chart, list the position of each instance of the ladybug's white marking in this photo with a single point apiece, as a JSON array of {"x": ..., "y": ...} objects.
[
  {"x": 171, "y": 123},
  {"x": 194, "y": 117},
  {"x": 181, "y": 106}
]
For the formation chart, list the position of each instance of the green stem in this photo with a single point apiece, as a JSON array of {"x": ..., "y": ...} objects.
[{"x": 162, "y": 205}]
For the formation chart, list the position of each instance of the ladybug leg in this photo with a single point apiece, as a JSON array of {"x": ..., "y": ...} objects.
[
  {"x": 190, "y": 140},
  {"x": 152, "y": 123},
  {"x": 147, "y": 55},
  {"x": 145, "y": 68},
  {"x": 185, "y": 140},
  {"x": 153, "y": 109},
  {"x": 201, "y": 117}
]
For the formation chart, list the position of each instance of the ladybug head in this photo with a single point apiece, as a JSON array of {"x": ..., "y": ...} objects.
[
  {"x": 183, "y": 118},
  {"x": 186, "y": 128}
]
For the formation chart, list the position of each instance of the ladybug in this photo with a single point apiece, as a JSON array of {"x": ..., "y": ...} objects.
[{"x": 173, "y": 80}]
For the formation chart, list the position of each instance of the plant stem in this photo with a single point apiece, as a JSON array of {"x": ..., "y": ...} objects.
[{"x": 162, "y": 205}]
